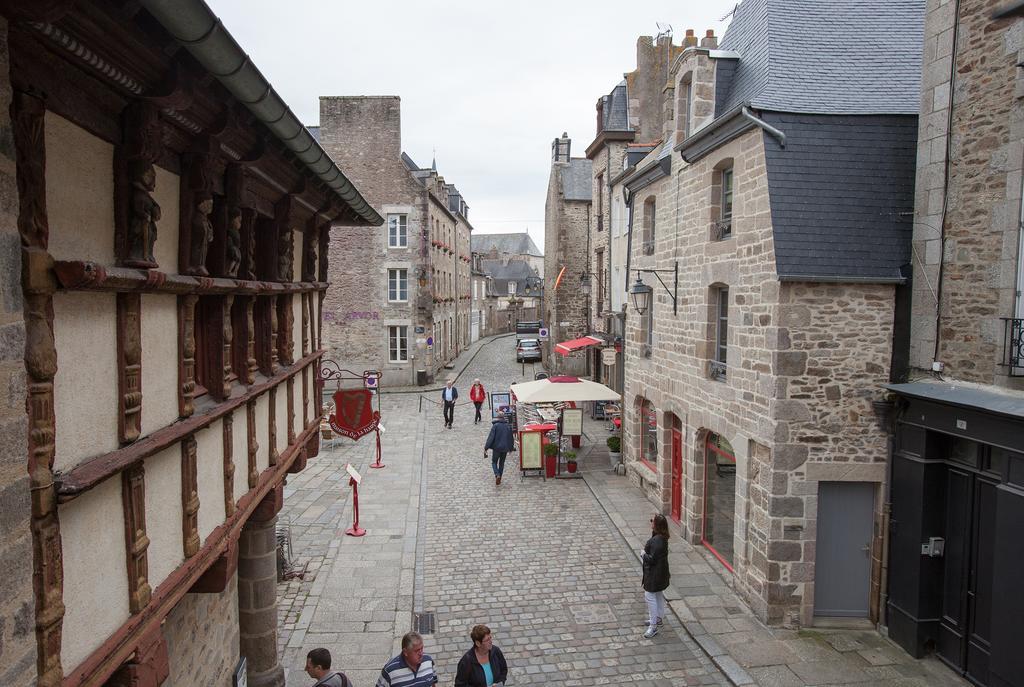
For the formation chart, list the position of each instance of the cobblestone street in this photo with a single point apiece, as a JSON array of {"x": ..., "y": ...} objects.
[{"x": 551, "y": 566}]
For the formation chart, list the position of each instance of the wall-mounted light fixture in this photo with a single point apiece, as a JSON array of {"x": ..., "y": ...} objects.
[{"x": 641, "y": 292}]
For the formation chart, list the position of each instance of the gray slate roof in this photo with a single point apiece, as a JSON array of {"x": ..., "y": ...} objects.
[
  {"x": 616, "y": 109},
  {"x": 314, "y": 132},
  {"x": 515, "y": 244},
  {"x": 501, "y": 273},
  {"x": 578, "y": 179},
  {"x": 837, "y": 192},
  {"x": 826, "y": 56}
]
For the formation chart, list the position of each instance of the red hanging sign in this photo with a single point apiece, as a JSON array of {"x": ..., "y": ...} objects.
[{"x": 354, "y": 415}]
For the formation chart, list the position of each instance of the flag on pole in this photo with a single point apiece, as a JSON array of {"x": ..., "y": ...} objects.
[{"x": 558, "y": 280}]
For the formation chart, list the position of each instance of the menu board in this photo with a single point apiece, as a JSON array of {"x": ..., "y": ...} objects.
[
  {"x": 572, "y": 422},
  {"x": 501, "y": 402},
  {"x": 530, "y": 451}
]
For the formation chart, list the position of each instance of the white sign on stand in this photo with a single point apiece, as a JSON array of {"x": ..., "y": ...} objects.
[{"x": 352, "y": 473}]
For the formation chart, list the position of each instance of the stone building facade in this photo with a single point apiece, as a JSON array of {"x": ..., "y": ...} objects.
[
  {"x": 167, "y": 253},
  {"x": 958, "y": 421},
  {"x": 566, "y": 232},
  {"x": 411, "y": 309},
  {"x": 517, "y": 245},
  {"x": 750, "y": 378}
]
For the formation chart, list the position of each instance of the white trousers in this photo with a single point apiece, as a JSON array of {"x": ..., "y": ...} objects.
[{"x": 655, "y": 606}]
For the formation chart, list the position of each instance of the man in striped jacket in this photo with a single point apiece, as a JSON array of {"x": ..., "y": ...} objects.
[{"x": 411, "y": 668}]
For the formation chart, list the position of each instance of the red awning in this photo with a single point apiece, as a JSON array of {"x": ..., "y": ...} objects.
[{"x": 567, "y": 347}]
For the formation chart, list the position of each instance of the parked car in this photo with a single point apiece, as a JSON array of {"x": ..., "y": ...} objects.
[{"x": 528, "y": 351}]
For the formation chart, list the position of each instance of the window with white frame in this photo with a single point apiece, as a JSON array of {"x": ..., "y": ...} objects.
[
  {"x": 398, "y": 285},
  {"x": 398, "y": 231},
  {"x": 719, "y": 355},
  {"x": 398, "y": 343}
]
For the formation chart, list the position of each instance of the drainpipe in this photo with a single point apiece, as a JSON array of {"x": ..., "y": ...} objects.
[{"x": 764, "y": 125}]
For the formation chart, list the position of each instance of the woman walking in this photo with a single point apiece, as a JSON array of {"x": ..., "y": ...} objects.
[
  {"x": 477, "y": 396},
  {"x": 483, "y": 665},
  {"x": 656, "y": 574}
]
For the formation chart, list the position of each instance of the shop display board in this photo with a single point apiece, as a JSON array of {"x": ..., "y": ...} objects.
[
  {"x": 572, "y": 422},
  {"x": 501, "y": 402},
  {"x": 530, "y": 451}
]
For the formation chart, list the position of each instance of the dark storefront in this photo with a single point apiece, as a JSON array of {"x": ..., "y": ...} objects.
[{"x": 957, "y": 530}]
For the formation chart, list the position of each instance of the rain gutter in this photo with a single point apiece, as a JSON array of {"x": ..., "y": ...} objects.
[{"x": 194, "y": 26}]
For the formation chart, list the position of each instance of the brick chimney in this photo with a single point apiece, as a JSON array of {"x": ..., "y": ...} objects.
[
  {"x": 690, "y": 41},
  {"x": 709, "y": 41},
  {"x": 560, "y": 149}
]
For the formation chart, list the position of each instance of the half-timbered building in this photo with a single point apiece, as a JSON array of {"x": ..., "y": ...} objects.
[{"x": 168, "y": 225}]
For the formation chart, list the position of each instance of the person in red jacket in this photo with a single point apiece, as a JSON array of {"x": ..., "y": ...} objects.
[{"x": 477, "y": 396}]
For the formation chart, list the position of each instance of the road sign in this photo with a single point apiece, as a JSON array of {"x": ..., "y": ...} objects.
[{"x": 543, "y": 333}]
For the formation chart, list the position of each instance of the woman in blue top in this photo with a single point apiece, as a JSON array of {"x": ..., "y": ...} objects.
[{"x": 483, "y": 665}]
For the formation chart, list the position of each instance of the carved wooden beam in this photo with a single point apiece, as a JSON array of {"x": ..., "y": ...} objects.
[
  {"x": 290, "y": 390},
  {"x": 217, "y": 577},
  {"x": 305, "y": 323},
  {"x": 249, "y": 374},
  {"x": 82, "y": 275},
  {"x": 38, "y": 287},
  {"x": 252, "y": 446},
  {"x": 127, "y": 639},
  {"x": 186, "y": 354},
  {"x": 272, "y": 426},
  {"x": 224, "y": 362},
  {"x": 271, "y": 305},
  {"x": 129, "y": 364},
  {"x": 136, "y": 212},
  {"x": 283, "y": 221},
  {"x": 324, "y": 240},
  {"x": 286, "y": 330},
  {"x": 133, "y": 496},
  {"x": 47, "y": 11},
  {"x": 195, "y": 228},
  {"x": 229, "y": 465},
  {"x": 189, "y": 498},
  {"x": 305, "y": 399},
  {"x": 149, "y": 666}
]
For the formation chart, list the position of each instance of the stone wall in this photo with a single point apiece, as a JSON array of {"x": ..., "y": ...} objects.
[
  {"x": 202, "y": 638},
  {"x": 980, "y": 251},
  {"x": 17, "y": 610}
]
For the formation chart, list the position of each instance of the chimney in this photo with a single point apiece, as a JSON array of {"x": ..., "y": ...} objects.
[
  {"x": 709, "y": 41},
  {"x": 560, "y": 148},
  {"x": 690, "y": 41}
]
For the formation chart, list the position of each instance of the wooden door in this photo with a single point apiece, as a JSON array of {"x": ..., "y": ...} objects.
[{"x": 677, "y": 475}]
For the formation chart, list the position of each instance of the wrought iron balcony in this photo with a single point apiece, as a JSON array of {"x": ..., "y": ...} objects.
[
  {"x": 1013, "y": 345},
  {"x": 721, "y": 229},
  {"x": 716, "y": 370},
  {"x": 648, "y": 247}
]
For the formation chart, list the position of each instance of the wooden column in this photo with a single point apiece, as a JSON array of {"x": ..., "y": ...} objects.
[
  {"x": 186, "y": 354},
  {"x": 129, "y": 366},
  {"x": 286, "y": 331},
  {"x": 272, "y": 425},
  {"x": 229, "y": 465},
  {"x": 290, "y": 390},
  {"x": 133, "y": 497},
  {"x": 189, "y": 498},
  {"x": 249, "y": 373},
  {"x": 253, "y": 444},
  {"x": 38, "y": 286}
]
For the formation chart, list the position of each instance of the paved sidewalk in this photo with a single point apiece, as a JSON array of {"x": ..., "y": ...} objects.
[
  {"x": 747, "y": 651},
  {"x": 459, "y": 366}
]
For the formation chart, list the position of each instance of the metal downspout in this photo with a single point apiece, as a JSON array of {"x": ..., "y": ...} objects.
[
  {"x": 745, "y": 111},
  {"x": 192, "y": 24}
]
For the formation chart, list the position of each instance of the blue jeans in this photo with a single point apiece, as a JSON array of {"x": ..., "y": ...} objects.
[{"x": 498, "y": 462}]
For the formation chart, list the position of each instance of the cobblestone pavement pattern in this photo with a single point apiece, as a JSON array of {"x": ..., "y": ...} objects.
[{"x": 550, "y": 566}]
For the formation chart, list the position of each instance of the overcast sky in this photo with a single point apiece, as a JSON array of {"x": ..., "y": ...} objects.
[{"x": 487, "y": 85}]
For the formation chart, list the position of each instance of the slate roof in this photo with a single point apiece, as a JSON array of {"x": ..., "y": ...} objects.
[
  {"x": 413, "y": 167},
  {"x": 826, "y": 56},
  {"x": 501, "y": 273},
  {"x": 838, "y": 191},
  {"x": 314, "y": 132},
  {"x": 578, "y": 179},
  {"x": 616, "y": 109},
  {"x": 515, "y": 244}
]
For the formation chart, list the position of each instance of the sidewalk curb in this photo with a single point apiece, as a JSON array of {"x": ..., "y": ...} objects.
[
  {"x": 437, "y": 387},
  {"x": 732, "y": 670}
]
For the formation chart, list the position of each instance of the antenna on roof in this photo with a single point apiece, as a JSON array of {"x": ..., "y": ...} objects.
[
  {"x": 730, "y": 12},
  {"x": 663, "y": 30}
]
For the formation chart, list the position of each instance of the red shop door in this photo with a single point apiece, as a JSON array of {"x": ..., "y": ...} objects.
[{"x": 677, "y": 475}]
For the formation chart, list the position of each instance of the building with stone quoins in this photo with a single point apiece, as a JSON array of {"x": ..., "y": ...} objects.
[
  {"x": 783, "y": 203},
  {"x": 516, "y": 245},
  {"x": 566, "y": 216},
  {"x": 958, "y": 458},
  {"x": 164, "y": 269},
  {"x": 401, "y": 299}
]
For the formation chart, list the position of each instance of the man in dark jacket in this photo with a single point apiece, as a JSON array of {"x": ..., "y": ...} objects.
[
  {"x": 500, "y": 441},
  {"x": 318, "y": 667},
  {"x": 449, "y": 394}
]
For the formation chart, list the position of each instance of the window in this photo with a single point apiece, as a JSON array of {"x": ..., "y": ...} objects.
[
  {"x": 600, "y": 202},
  {"x": 721, "y": 330},
  {"x": 398, "y": 231},
  {"x": 684, "y": 101},
  {"x": 725, "y": 206},
  {"x": 649, "y": 331},
  {"x": 650, "y": 212},
  {"x": 649, "y": 434},
  {"x": 398, "y": 285},
  {"x": 398, "y": 344},
  {"x": 719, "y": 498}
]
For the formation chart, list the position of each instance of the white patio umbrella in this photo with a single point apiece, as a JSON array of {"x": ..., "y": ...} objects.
[{"x": 558, "y": 389}]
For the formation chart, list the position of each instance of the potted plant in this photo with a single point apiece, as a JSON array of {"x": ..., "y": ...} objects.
[
  {"x": 570, "y": 461},
  {"x": 550, "y": 458},
  {"x": 614, "y": 450}
]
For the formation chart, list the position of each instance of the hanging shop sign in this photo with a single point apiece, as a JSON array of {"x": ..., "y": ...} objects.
[
  {"x": 608, "y": 356},
  {"x": 354, "y": 415}
]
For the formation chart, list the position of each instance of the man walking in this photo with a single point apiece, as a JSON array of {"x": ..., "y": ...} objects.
[
  {"x": 411, "y": 668},
  {"x": 477, "y": 396},
  {"x": 449, "y": 394},
  {"x": 318, "y": 667},
  {"x": 500, "y": 441}
]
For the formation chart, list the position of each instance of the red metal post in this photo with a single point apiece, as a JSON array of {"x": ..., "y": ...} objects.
[{"x": 355, "y": 530}]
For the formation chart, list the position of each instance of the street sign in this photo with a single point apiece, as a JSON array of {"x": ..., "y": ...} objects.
[
  {"x": 543, "y": 333},
  {"x": 430, "y": 341},
  {"x": 608, "y": 356}
]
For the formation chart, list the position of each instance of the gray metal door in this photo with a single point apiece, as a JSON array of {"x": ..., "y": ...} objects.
[{"x": 842, "y": 571}]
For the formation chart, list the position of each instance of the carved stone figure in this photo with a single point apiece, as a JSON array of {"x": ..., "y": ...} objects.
[
  {"x": 202, "y": 234},
  {"x": 233, "y": 259},
  {"x": 145, "y": 212}
]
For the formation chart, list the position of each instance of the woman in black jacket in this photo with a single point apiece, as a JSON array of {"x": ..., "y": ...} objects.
[
  {"x": 483, "y": 665},
  {"x": 656, "y": 575}
]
